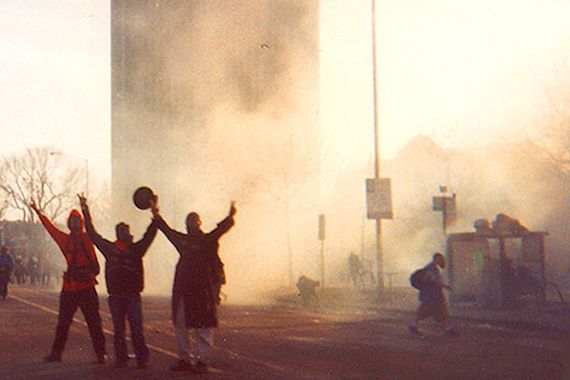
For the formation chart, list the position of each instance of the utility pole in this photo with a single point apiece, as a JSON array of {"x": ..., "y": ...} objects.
[
  {"x": 378, "y": 190},
  {"x": 322, "y": 234},
  {"x": 379, "y": 252}
]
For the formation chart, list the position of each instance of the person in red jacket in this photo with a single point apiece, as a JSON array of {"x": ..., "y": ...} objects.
[{"x": 78, "y": 290}]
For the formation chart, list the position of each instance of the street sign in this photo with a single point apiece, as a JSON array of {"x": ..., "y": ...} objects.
[
  {"x": 379, "y": 198},
  {"x": 447, "y": 204},
  {"x": 438, "y": 203}
]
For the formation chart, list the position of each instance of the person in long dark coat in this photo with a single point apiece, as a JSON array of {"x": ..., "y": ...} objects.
[{"x": 195, "y": 294}]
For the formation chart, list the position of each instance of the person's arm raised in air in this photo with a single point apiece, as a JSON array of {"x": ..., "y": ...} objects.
[
  {"x": 173, "y": 236},
  {"x": 225, "y": 224},
  {"x": 102, "y": 244},
  {"x": 57, "y": 235},
  {"x": 143, "y": 245}
]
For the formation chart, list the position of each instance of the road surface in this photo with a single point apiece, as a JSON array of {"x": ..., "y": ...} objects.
[{"x": 276, "y": 342}]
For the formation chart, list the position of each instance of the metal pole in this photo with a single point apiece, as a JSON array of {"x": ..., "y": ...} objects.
[
  {"x": 503, "y": 281},
  {"x": 543, "y": 271},
  {"x": 444, "y": 218},
  {"x": 379, "y": 253},
  {"x": 322, "y": 239},
  {"x": 322, "y": 264}
]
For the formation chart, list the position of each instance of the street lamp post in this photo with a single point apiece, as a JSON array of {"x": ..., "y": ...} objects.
[{"x": 379, "y": 252}]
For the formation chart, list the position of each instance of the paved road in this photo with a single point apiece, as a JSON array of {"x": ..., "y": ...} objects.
[{"x": 271, "y": 342}]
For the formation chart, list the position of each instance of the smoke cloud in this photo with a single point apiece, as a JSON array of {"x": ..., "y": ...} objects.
[
  {"x": 218, "y": 101},
  {"x": 214, "y": 101}
]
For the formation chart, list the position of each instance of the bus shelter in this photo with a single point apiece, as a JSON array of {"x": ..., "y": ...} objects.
[{"x": 497, "y": 269}]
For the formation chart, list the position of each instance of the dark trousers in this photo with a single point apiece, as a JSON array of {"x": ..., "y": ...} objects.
[
  {"x": 128, "y": 306},
  {"x": 4, "y": 280},
  {"x": 88, "y": 302}
]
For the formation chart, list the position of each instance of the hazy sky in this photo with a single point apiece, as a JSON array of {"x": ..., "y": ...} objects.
[
  {"x": 55, "y": 78},
  {"x": 462, "y": 72}
]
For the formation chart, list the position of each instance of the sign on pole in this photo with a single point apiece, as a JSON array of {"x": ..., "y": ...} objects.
[
  {"x": 447, "y": 204},
  {"x": 379, "y": 198},
  {"x": 438, "y": 203}
]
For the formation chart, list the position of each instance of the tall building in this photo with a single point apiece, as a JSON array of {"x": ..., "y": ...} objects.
[{"x": 218, "y": 100}]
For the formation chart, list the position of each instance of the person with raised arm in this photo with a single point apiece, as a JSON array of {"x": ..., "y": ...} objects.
[
  {"x": 124, "y": 276},
  {"x": 195, "y": 295},
  {"x": 79, "y": 280}
]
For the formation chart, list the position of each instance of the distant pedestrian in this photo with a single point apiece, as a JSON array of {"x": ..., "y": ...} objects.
[
  {"x": 20, "y": 270},
  {"x": 308, "y": 291},
  {"x": 47, "y": 272},
  {"x": 34, "y": 270},
  {"x": 355, "y": 270},
  {"x": 125, "y": 281},
  {"x": 433, "y": 302},
  {"x": 196, "y": 290},
  {"x": 6, "y": 268},
  {"x": 78, "y": 290}
]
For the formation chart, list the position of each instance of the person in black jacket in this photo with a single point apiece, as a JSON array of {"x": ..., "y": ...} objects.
[
  {"x": 195, "y": 294},
  {"x": 125, "y": 281},
  {"x": 433, "y": 302},
  {"x": 6, "y": 268}
]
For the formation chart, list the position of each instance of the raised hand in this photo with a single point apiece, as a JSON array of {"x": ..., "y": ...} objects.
[
  {"x": 233, "y": 208},
  {"x": 154, "y": 207},
  {"x": 33, "y": 206},
  {"x": 82, "y": 200}
]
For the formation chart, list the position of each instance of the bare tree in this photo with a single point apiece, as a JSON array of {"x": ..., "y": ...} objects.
[
  {"x": 3, "y": 207},
  {"x": 38, "y": 174},
  {"x": 551, "y": 137},
  {"x": 553, "y": 143}
]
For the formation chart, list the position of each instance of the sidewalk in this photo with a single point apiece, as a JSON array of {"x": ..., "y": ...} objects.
[{"x": 403, "y": 302}]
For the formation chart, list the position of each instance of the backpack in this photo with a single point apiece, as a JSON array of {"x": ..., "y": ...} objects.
[{"x": 418, "y": 278}]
